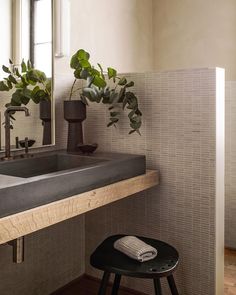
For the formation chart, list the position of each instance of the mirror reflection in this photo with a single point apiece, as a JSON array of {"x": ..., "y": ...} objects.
[{"x": 26, "y": 70}]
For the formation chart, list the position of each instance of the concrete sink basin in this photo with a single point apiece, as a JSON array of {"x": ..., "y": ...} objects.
[
  {"x": 46, "y": 164},
  {"x": 51, "y": 176}
]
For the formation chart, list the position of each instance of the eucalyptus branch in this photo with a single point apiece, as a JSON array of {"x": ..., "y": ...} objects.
[
  {"x": 97, "y": 90},
  {"x": 72, "y": 89}
]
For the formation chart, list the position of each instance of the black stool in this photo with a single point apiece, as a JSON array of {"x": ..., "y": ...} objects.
[{"x": 110, "y": 260}]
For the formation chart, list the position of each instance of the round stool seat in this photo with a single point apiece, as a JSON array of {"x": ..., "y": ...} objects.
[{"x": 108, "y": 259}]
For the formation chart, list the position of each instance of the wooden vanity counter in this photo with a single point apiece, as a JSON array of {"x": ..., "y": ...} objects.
[{"x": 29, "y": 221}]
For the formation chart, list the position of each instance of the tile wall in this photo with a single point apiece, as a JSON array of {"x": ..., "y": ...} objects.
[
  {"x": 179, "y": 139},
  {"x": 230, "y": 167}
]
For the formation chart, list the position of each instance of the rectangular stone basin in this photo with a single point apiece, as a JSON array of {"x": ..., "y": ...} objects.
[
  {"x": 51, "y": 176},
  {"x": 46, "y": 164}
]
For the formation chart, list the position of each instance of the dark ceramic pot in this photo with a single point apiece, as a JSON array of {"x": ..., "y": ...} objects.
[
  {"x": 74, "y": 114},
  {"x": 45, "y": 109}
]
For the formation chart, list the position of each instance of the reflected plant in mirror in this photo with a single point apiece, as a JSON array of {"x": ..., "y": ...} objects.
[
  {"x": 25, "y": 84},
  {"x": 27, "y": 38}
]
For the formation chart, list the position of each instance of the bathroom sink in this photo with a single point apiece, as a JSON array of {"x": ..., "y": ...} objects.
[
  {"x": 30, "y": 167},
  {"x": 51, "y": 176}
]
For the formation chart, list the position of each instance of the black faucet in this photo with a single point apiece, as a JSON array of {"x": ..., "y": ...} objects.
[{"x": 9, "y": 111}]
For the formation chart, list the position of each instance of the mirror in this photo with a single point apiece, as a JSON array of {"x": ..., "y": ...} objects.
[{"x": 26, "y": 80}]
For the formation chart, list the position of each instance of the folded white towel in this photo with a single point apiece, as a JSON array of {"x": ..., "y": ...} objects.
[{"x": 135, "y": 248}]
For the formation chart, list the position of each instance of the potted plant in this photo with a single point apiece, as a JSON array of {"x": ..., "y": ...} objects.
[
  {"x": 29, "y": 84},
  {"x": 105, "y": 87}
]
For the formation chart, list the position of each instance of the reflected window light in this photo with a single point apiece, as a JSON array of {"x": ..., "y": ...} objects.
[{"x": 41, "y": 35}]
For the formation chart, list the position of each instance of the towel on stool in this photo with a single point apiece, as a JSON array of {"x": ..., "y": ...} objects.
[{"x": 135, "y": 248}]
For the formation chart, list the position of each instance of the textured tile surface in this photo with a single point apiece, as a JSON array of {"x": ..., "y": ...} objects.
[
  {"x": 178, "y": 138},
  {"x": 230, "y": 167}
]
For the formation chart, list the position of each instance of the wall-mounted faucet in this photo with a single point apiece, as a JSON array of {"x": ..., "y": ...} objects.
[{"x": 9, "y": 111}]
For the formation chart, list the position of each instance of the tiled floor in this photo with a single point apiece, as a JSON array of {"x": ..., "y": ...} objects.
[{"x": 230, "y": 272}]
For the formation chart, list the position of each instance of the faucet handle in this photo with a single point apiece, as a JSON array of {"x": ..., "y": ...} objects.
[
  {"x": 17, "y": 142},
  {"x": 26, "y": 145}
]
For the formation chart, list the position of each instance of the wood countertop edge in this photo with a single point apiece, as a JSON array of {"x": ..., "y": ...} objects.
[{"x": 29, "y": 221}]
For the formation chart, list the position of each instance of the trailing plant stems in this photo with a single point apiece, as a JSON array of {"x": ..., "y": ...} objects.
[
  {"x": 97, "y": 90},
  {"x": 72, "y": 88},
  {"x": 72, "y": 91}
]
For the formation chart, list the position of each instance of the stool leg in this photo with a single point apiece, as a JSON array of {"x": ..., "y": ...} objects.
[
  {"x": 116, "y": 285},
  {"x": 172, "y": 285},
  {"x": 157, "y": 286},
  {"x": 104, "y": 283}
]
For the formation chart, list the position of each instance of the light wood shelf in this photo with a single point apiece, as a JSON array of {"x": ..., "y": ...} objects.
[{"x": 26, "y": 222}]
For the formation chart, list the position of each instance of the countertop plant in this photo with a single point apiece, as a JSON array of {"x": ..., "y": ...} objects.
[{"x": 105, "y": 87}]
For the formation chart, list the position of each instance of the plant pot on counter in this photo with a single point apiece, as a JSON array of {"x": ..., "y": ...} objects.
[
  {"x": 74, "y": 114},
  {"x": 46, "y": 116}
]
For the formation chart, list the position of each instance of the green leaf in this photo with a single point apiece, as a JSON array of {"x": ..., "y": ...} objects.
[
  {"x": 19, "y": 85},
  {"x": 115, "y": 120},
  {"x": 3, "y": 86},
  {"x": 135, "y": 125},
  {"x": 114, "y": 114},
  {"x": 130, "y": 84},
  {"x": 111, "y": 73},
  {"x": 38, "y": 95},
  {"x": 77, "y": 73},
  {"x": 101, "y": 70},
  {"x": 99, "y": 82},
  {"x": 6, "y": 69},
  {"x": 41, "y": 75},
  {"x": 132, "y": 131},
  {"x": 29, "y": 64},
  {"x": 12, "y": 79},
  {"x": 17, "y": 72},
  {"x": 16, "y": 98},
  {"x": 83, "y": 55},
  {"x": 35, "y": 90},
  {"x": 10, "y": 62},
  {"x": 35, "y": 76},
  {"x": 9, "y": 84},
  {"x": 110, "y": 124},
  {"x": 122, "y": 81},
  {"x": 131, "y": 114},
  {"x": 85, "y": 64},
  {"x": 23, "y": 67},
  {"x": 94, "y": 72},
  {"x": 25, "y": 100},
  {"x": 74, "y": 62},
  {"x": 132, "y": 100},
  {"x": 24, "y": 81},
  {"x": 138, "y": 112}
]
